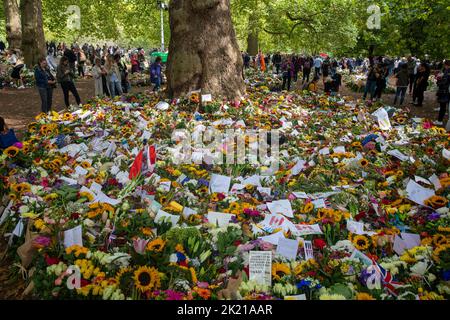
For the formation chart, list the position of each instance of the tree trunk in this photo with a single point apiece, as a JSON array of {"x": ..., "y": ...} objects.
[
  {"x": 252, "y": 44},
  {"x": 33, "y": 40},
  {"x": 203, "y": 51},
  {"x": 13, "y": 26}
]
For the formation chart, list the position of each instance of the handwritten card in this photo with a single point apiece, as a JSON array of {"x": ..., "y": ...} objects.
[
  {"x": 299, "y": 166},
  {"x": 164, "y": 216},
  {"x": 206, "y": 98},
  {"x": 417, "y": 193},
  {"x": 383, "y": 119},
  {"x": 308, "y": 248},
  {"x": 406, "y": 241},
  {"x": 435, "y": 181},
  {"x": 73, "y": 237},
  {"x": 287, "y": 248},
  {"x": 306, "y": 229},
  {"x": 281, "y": 206},
  {"x": 398, "y": 155},
  {"x": 260, "y": 267},
  {"x": 220, "y": 184},
  {"x": 221, "y": 219}
]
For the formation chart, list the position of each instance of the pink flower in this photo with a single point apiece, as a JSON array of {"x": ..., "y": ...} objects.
[
  {"x": 427, "y": 125},
  {"x": 203, "y": 285},
  {"x": 139, "y": 245},
  {"x": 291, "y": 197}
]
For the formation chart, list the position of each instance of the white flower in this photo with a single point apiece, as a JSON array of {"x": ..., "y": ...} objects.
[{"x": 419, "y": 268}]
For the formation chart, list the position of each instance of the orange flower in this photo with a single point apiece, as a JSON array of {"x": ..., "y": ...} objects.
[{"x": 203, "y": 293}]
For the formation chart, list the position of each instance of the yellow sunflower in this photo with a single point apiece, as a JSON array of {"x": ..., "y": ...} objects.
[
  {"x": 439, "y": 239},
  {"x": 11, "y": 152},
  {"x": 363, "y": 163},
  {"x": 308, "y": 208},
  {"x": 361, "y": 242},
  {"x": 280, "y": 270},
  {"x": 364, "y": 296},
  {"x": 156, "y": 245},
  {"x": 146, "y": 279}
]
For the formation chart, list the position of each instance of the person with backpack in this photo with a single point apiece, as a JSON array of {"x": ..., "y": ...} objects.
[
  {"x": 306, "y": 70},
  {"x": 402, "y": 84},
  {"x": 156, "y": 73}
]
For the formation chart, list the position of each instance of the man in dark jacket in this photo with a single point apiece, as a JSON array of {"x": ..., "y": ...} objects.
[
  {"x": 443, "y": 94},
  {"x": 45, "y": 83},
  {"x": 276, "y": 60},
  {"x": 72, "y": 57}
]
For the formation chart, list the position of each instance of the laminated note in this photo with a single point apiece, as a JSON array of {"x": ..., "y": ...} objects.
[
  {"x": 220, "y": 184},
  {"x": 260, "y": 267},
  {"x": 309, "y": 252},
  {"x": 221, "y": 219},
  {"x": 417, "y": 193},
  {"x": 273, "y": 238},
  {"x": 164, "y": 216},
  {"x": 281, "y": 206}
]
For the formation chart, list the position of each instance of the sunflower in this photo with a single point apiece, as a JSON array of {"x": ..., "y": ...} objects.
[
  {"x": 146, "y": 279},
  {"x": 22, "y": 188},
  {"x": 203, "y": 189},
  {"x": 146, "y": 231},
  {"x": 121, "y": 273},
  {"x": 364, "y": 296},
  {"x": 437, "y": 252},
  {"x": 361, "y": 242},
  {"x": 156, "y": 245},
  {"x": 12, "y": 197},
  {"x": 11, "y": 152},
  {"x": 308, "y": 208},
  {"x": 439, "y": 239},
  {"x": 357, "y": 144},
  {"x": 164, "y": 201},
  {"x": 436, "y": 202},
  {"x": 321, "y": 213},
  {"x": 214, "y": 197},
  {"x": 85, "y": 164},
  {"x": 234, "y": 206},
  {"x": 67, "y": 116},
  {"x": 87, "y": 195},
  {"x": 280, "y": 270},
  {"x": 372, "y": 153}
]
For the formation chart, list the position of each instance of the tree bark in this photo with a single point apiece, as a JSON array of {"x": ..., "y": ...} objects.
[
  {"x": 13, "y": 24},
  {"x": 33, "y": 39},
  {"x": 252, "y": 44},
  {"x": 203, "y": 50}
]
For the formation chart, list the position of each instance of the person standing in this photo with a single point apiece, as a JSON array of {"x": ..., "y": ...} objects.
[
  {"x": 262, "y": 61},
  {"x": 71, "y": 58},
  {"x": 276, "y": 60},
  {"x": 421, "y": 85},
  {"x": 371, "y": 83},
  {"x": 81, "y": 60},
  {"x": 45, "y": 82},
  {"x": 402, "y": 84},
  {"x": 113, "y": 77},
  {"x": 306, "y": 70},
  {"x": 288, "y": 73},
  {"x": 443, "y": 94},
  {"x": 381, "y": 81},
  {"x": 156, "y": 73},
  {"x": 65, "y": 76},
  {"x": 123, "y": 72},
  {"x": 2, "y": 46},
  {"x": 411, "y": 62},
  {"x": 98, "y": 72},
  {"x": 318, "y": 65}
]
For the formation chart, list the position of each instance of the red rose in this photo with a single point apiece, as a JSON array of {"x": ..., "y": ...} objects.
[
  {"x": 51, "y": 261},
  {"x": 75, "y": 216},
  {"x": 319, "y": 243},
  {"x": 237, "y": 243},
  {"x": 84, "y": 283}
]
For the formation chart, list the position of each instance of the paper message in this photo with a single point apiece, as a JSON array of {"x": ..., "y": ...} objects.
[
  {"x": 73, "y": 237},
  {"x": 260, "y": 267},
  {"x": 220, "y": 184},
  {"x": 406, "y": 241},
  {"x": 221, "y": 219},
  {"x": 164, "y": 216},
  {"x": 383, "y": 119},
  {"x": 287, "y": 248},
  {"x": 308, "y": 248},
  {"x": 188, "y": 212},
  {"x": 273, "y": 238},
  {"x": 281, "y": 206},
  {"x": 398, "y": 155},
  {"x": 435, "y": 181},
  {"x": 417, "y": 193},
  {"x": 307, "y": 229}
]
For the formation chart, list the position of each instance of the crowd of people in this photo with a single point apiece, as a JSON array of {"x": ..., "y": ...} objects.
[{"x": 408, "y": 73}]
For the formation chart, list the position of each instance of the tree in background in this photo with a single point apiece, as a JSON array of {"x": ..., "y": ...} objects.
[
  {"x": 12, "y": 24},
  {"x": 33, "y": 40},
  {"x": 203, "y": 51}
]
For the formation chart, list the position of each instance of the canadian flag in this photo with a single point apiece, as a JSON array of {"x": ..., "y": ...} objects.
[
  {"x": 276, "y": 221},
  {"x": 145, "y": 162}
]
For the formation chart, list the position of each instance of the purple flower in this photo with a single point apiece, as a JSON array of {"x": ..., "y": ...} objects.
[
  {"x": 42, "y": 242},
  {"x": 18, "y": 145},
  {"x": 434, "y": 216},
  {"x": 174, "y": 295}
]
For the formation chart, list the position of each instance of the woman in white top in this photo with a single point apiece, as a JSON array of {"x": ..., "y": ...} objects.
[
  {"x": 113, "y": 77},
  {"x": 98, "y": 71}
]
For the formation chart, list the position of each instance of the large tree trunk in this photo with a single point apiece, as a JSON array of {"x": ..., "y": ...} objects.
[
  {"x": 33, "y": 40},
  {"x": 252, "y": 44},
  {"x": 203, "y": 51},
  {"x": 13, "y": 26}
]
